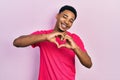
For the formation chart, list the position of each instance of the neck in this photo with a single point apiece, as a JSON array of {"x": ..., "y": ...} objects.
[{"x": 56, "y": 28}]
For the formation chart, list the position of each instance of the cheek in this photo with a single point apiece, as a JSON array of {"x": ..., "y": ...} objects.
[
  {"x": 59, "y": 21},
  {"x": 61, "y": 18},
  {"x": 70, "y": 24}
]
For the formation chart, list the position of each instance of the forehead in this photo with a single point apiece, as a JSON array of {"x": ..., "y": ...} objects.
[{"x": 68, "y": 13}]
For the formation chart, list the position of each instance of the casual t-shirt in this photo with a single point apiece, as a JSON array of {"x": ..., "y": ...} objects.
[{"x": 57, "y": 63}]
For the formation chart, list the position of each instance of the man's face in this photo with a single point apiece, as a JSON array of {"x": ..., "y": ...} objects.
[{"x": 65, "y": 20}]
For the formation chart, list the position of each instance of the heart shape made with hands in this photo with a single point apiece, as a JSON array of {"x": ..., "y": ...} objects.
[
  {"x": 61, "y": 39},
  {"x": 62, "y": 42}
]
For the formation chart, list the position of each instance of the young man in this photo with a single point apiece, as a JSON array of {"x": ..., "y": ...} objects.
[{"x": 58, "y": 48}]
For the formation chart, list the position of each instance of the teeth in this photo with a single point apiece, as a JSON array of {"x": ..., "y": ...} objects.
[{"x": 64, "y": 25}]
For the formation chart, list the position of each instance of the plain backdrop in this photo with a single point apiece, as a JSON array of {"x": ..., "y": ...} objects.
[{"x": 98, "y": 25}]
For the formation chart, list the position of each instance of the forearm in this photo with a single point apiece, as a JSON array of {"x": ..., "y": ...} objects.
[
  {"x": 27, "y": 40},
  {"x": 83, "y": 57}
]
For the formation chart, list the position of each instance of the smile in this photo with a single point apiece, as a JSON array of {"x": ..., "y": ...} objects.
[{"x": 64, "y": 26}]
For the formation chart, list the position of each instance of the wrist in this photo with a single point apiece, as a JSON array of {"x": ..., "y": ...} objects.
[
  {"x": 75, "y": 48},
  {"x": 47, "y": 37}
]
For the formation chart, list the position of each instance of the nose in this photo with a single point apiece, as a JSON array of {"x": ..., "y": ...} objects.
[{"x": 66, "y": 21}]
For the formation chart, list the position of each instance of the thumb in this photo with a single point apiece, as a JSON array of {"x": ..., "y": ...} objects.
[
  {"x": 56, "y": 43},
  {"x": 62, "y": 45}
]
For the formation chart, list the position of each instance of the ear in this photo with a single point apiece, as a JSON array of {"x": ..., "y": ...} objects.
[{"x": 57, "y": 16}]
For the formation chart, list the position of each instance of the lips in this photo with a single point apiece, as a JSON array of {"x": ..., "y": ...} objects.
[{"x": 63, "y": 26}]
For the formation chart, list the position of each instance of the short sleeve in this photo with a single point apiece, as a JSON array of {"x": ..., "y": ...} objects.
[
  {"x": 79, "y": 42},
  {"x": 37, "y": 33}
]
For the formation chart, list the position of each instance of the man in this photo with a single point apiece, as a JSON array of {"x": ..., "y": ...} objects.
[{"x": 58, "y": 48}]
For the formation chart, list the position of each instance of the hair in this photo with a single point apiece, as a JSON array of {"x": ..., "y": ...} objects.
[{"x": 70, "y": 8}]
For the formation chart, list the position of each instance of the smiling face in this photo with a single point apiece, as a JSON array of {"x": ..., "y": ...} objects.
[{"x": 65, "y": 20}]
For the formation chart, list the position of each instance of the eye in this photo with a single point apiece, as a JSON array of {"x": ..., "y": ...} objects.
[
  {"x": 71, "y": 21},
  {"x": 64, "y": 16}
]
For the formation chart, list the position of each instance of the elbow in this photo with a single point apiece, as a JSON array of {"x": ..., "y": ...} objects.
[
  {"x": 16, "y": 43},
  {"x": 89, "y": 65}
]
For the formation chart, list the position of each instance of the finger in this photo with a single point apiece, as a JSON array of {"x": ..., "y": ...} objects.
[
  {"x": 68, "y": 38},
  {"x": 61, "y": 36},
  {"x": 56, "y": 43},
  {"x": 62, "y": 45}
]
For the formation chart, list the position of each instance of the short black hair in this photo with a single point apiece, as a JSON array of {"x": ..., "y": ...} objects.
[{"x": 68, "y": 7}]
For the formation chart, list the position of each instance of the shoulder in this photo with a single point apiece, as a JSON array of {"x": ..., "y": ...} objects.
[
  {"x": 73, "y": 35},
  {"x": 78, "y": 41},
  {"x": 76, "y": 38},
  {"x": 42, "y": 32}
]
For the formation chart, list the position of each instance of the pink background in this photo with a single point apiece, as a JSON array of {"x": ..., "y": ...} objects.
[{"x": 98, "y": 24}]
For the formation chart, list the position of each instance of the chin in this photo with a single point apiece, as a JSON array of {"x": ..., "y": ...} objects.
[{"x": 62, "y": 30}]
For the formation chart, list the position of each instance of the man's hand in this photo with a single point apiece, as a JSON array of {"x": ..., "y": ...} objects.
[
  {"x": 52, "y": 37},
  {"x": 69, "y": 43}
]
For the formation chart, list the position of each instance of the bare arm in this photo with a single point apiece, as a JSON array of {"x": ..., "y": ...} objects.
[
  {"x": 83, "y": 57},
  {"x": 26, "y": 40}
]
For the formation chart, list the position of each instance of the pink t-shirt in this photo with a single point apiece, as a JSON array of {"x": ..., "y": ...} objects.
[{"x": 56, "y": 63}]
